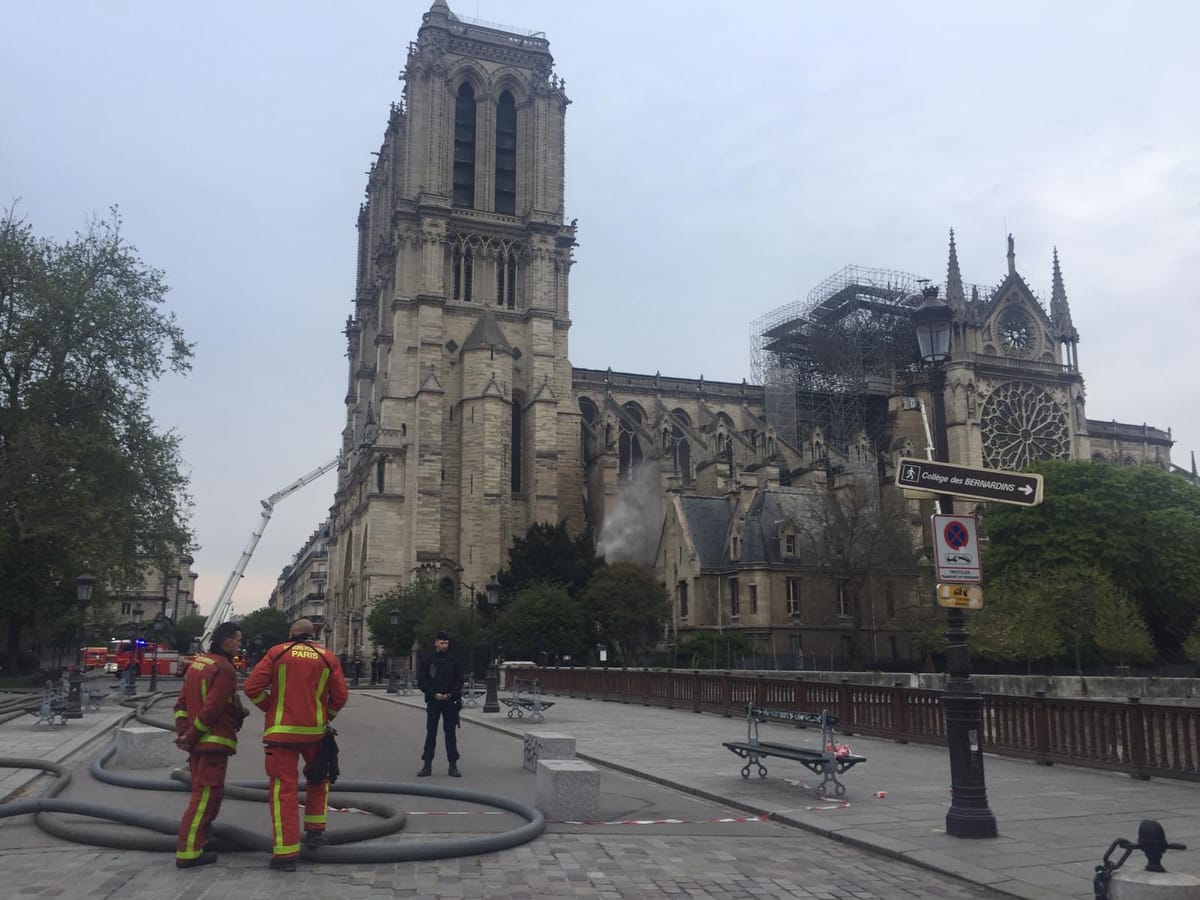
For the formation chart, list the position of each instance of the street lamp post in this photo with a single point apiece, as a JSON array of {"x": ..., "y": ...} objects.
[
  {"x": 491, "y": 703},
  {"x": 156, "y": 628},
  {"x": 83, "y": 595},
  {"x": 355, "y": 624},
  {"x": 135, "y": 665},
  {"x": 969, "y": 814},
  {"x": 394, "y": 620},
  {"x": 176, "y": 578}
]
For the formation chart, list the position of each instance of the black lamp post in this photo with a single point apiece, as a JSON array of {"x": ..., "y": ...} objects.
[
  {"x": 135, "y": 664},
  {"x": 491, "y": 703},
  {"x": 969, "y": 814},
  {"x": 176, "y": 578},
  {"x": 356, "y": 621},
  {"x": 83, "y": 595},
  {"x": 394, "y": 620},
  {"x": 156, "y": 628}
]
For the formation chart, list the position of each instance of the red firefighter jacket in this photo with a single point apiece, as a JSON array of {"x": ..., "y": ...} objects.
[
  {"x": 300, "y": 686},
  {"x": 207, "y": 710}
]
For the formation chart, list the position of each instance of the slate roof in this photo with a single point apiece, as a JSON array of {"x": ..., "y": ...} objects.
[
  {"x": 486, "y": 335},
  {"x": 708, "y": 523},
  {"x": 709, "y": 520}
]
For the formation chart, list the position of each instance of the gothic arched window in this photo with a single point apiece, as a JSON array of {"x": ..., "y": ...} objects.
[
  {"x": 506, "y": 279},
  {"x": 629, "y": 448},
  {"x": 506, "y": 155},
  {"x": 464, "y": 147}
]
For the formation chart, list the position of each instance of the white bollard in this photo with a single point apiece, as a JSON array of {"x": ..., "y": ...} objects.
[
  {"x": 1137, "y": 884},
  {"x": 547, "y": 745},
  {"x": 144, "y": 747}
]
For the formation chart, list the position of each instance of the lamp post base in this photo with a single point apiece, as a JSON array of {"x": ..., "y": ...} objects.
[
  {"x": 490, "y": 702},
  {"x": 73, "y": 708}
]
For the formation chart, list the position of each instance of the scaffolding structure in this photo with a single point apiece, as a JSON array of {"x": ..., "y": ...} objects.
[{"x": 829, "y": 361}]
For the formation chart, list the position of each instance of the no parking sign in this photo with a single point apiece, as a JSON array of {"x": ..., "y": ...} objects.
[{"x": 956, "y": 549}]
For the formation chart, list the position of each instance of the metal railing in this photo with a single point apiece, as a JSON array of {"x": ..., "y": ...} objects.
[{"x": 1139, "y": 738}]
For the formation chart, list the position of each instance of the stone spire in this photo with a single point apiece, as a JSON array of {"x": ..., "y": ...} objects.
[
  {"x": 955, "y": 297},
  {"x": 1060, "y": 310},
  {"x": 1012, "y": 257}
]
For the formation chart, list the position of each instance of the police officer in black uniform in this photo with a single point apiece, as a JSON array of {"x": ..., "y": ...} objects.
[{"x": 440, "y": 678}]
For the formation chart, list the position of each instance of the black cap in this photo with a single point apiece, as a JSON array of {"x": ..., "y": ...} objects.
[{"x": 441, "y": 636}]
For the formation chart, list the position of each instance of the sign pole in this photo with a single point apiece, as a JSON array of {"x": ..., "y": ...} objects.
[{"x": 969, "y": 814}]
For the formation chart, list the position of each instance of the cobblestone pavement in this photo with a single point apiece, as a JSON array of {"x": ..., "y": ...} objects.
[{"x": 690, "y": 857}]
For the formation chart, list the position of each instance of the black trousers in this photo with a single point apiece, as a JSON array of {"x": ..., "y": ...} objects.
[{"x": 447, "y": 711}]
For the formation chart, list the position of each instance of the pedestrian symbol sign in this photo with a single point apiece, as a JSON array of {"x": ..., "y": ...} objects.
[{"x": 956, "y": 549}]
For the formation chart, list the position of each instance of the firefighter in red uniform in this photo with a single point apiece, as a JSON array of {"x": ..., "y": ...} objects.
[
  {"x": 208, "y": 715},
  {"x": 300, "y": 686}
]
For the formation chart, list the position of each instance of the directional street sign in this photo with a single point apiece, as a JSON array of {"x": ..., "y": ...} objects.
[
  {"x": 992, "y": 485},
  {"x": 960, "y": 596}
]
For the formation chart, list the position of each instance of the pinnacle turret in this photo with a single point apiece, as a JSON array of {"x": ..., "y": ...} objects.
[
  {"x": 955, "y": 298},
  {"x": 1060, "y": 310}
]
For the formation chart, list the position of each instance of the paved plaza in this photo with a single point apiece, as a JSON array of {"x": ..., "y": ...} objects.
[{"x": 676, "y": 818}]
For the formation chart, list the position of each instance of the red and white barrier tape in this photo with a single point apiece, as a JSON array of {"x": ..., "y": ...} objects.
[{"x": 722, "y": 821}]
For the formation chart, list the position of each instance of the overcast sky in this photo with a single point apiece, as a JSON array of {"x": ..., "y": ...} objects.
[{"x": 722, "y": 159}]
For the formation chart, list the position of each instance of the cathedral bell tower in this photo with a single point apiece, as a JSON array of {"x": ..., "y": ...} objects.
[{"x": 461, "y": 427}]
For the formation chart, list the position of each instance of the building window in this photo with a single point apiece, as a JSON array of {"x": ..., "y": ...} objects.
[
  {"x": 735, "y": 547},
  {"x": 894, "y": 648},
  {"x": 889, "y": 593},
  {"x": 735, "y": 600},
  {"x": 753, "y": 598},
  {"x": 516, "y": 447},
  {"x": 506, "y": 155},
  {"x": 380, "y": 471},
  {"x": 464, "y": 147},
  {"x": 843, "y": 600},
  {"x": 462, "y": 272},
  {"x": 126, "y": 608},
  {"x": 793, "y": 597},
  {"x": 789, "y": 544},
  {"x": 506, "y": 280},
  {"x": 682, "y": 590}
]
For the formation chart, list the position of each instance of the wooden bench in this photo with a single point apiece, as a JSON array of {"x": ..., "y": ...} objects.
[
  {"x": 825, "y": 762},
  {"x": 526, "y": 697}
]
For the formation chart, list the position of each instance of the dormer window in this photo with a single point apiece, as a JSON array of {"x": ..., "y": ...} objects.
[
  {"x": 735, "y": 547},
  {"x": 789, "y": 545}
]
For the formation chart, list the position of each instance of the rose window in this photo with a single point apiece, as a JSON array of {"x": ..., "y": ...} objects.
[{"x": 1022, "y": 423}]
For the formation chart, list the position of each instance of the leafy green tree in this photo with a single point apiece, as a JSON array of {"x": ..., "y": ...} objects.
[
  {"x": 411, "y": 603},
  {"x": 87, "y": 483},
  {"x": 712, "y": 650},
  {"x": 542, "y": 618},
  {"x": 1138, "y": 525},
  {"x": 263, "y": 628},
  {"x": 187, "y": 630},
  {"x": 628, "y": 606},
  {"x": 549, "y": 553},
  {"x": 1019, "y": 622},
  {"x": 1191, "y": 647},
  {"x": 1120, "y": 632}
]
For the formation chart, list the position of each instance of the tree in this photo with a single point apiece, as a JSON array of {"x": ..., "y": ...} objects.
[
  {"x": 549, "y": 553},
  {"x": 1191, "y": 647},
  {"x": 1020, "y": 622},
  {"x": 411, "y": 603},
  {"x": 264, "y": 628},
  {"x": 542, "y": 618},
  {"x": 628, "y": 606},
  {"x": 1137, "y": 524},
  {"x": 1120, "y": 632},
  {"x": 187, "y": 630},
  {"x": 712, "y": 650},
  {"x": 86, "y": 480}
]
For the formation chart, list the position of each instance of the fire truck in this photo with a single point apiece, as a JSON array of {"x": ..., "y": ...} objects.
[
  {"x": 94, "y": 658},
  {"x": 165, "y": 660}
]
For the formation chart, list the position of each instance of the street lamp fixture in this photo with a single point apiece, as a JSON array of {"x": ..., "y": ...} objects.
[
  {"x": 969, "y": 814},
  {"x": 491, "y": 703}
]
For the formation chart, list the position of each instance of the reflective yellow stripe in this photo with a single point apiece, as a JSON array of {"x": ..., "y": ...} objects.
[
  {"x": 181, "y": 713},
  {"x": 317, "y": 699},
  {"x": 280, "y": 683},
  {"x": 258, "y": 699},
  {"x": 277, "y": 818},
  {"x": 316, "y": 820},
  {"x": 318, "y": 730},
  {"x": 191, "y": 851},
  {"x": 217, "y": 739}
]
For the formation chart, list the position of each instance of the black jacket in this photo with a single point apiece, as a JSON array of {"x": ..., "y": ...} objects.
[{"x": 440, "y": 673}]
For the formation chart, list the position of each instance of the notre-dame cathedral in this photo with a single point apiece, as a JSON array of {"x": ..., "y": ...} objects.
[{"x": 466, "y": 421}]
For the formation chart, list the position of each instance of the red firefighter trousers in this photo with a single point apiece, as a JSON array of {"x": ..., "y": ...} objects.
[
  {"x": 282, "y": 761},
  {"x": 208, "y": 788}
]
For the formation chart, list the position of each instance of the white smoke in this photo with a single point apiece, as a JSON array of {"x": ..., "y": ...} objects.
[{"x": 631, "y": 530}]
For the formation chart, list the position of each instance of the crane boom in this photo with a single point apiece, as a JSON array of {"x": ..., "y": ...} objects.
[{"x": 224, "y": 606}]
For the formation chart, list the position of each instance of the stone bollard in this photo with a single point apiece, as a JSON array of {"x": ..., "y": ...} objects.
[
  {"x": 547, "y": 745},
  {"x": 1142, "y": 885},
  {"x": 568, "y": 790},
  {"x": 143, "y": 747}
]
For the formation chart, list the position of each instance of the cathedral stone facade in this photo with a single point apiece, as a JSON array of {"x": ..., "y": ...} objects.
[{"x": 466, "y": 422}]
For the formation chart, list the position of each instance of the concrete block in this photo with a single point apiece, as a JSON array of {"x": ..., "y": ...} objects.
[
  {"x": 144, "y": 747},
  {"x": 547, "y": 745},
  {"x": 568, "y": 790},
  {"x": 1134, "y": 885}
]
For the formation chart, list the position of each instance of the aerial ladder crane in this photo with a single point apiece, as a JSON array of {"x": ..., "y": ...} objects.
[{"x": 224, "y": 607}]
